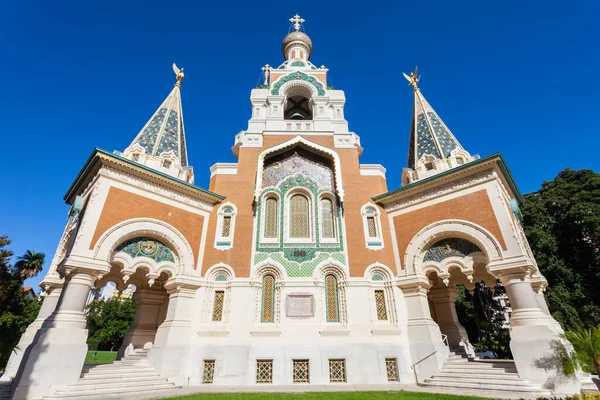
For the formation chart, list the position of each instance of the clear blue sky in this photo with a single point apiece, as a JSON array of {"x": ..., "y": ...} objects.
[{"x": 516, "y": 77}]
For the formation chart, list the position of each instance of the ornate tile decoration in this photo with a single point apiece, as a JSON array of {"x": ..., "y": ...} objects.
[
  {"x": 298, "y": 76},
  {"x": 289, "y": 172},
  {"x": 450, "y": 248},
  {"x": 146, "y": 247}
]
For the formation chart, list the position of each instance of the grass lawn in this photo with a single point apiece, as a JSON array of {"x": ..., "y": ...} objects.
[
  {"x": 102, "y": 357},
  {"x": 326, "y": 396}
]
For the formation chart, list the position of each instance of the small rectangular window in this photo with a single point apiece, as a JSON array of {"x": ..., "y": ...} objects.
[
  {"x": 209, "y": 371},
  {"x": 337, "y": 370},
  {"x": 264, "y": 371},
  {"x": 301, "y": 371},
  {"x": 372, "y": 227},
  {"x": 380, "y": 305},
  {"x": 218, "y": 305},
  {"x": 226, "y": 230},
  {"x": 391, "y": 367}
]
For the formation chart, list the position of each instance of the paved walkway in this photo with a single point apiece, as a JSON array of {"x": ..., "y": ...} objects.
[{"x": 333, "y": 388}]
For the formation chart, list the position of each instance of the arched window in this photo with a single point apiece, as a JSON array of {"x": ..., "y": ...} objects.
[
  {"x": 271, "y": 218},
  {"x": 327, "y": 219},
  {"x": 225, "y": 226},
  {"x": 268, "y": 299},
  {"x": 372, "y": 227},
  {"x": 299, "y": 217},
  {"x": 298, "y": 108},
  {"x": 331, "y": 299}
]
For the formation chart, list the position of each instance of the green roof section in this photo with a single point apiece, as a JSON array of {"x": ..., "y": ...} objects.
[
  {"x": 501, "y": 164},
  {"x": 91, "y": 161}
]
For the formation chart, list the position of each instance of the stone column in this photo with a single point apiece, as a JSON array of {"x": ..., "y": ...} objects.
[
  {"x": 144, "y": 326},
  {"x": 58, "y": 350},
  {"x": 49, "y": 302},
  {"x": 533, "y": 334},
  {"x": 171, "y": 346},
  {"x": 443, "y": 299},
  {"x": 427, "y": 350}
]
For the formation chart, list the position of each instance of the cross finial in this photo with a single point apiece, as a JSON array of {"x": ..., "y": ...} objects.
[
  {"x": 297, "y": 21},
  {"x": 267, "y": 70},
  {"x": 413, "y": 78}
]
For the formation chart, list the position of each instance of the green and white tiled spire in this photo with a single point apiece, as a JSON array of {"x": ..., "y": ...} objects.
[
  {"x": 161, "y": 142},
  {"x": 432, "y": 148}
]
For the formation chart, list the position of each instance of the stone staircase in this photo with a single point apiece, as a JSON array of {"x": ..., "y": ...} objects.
[
  {"x": 463, "y": 372},
  {"x": 130, "y": 376},
  {"x": 5, "y": 389}
]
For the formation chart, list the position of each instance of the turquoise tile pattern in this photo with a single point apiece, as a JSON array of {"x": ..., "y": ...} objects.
[
  {"x": 146, "y": 247},
  {"x": 453, "y": 247}
]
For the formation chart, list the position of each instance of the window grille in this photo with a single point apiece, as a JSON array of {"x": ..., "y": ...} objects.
[
  {"x": 218, "y": 305},
  {"x": 391, "y": 367},
  {"x": 226, "y": 229},
  {"x": 268, "y": 299},
  {"x": 380, "y": 305},
  {"x": 264, "y": 371},
  {"x": 331, "y": 296},
  {"x": 372, "y": 227},
  {"x": 299, "y": 214},
  {"x": 209, "y": 371},
  {"x": 271, "y": 217},
  {"x": 301, "y": 371},
  {"x": 327, "y": 219},
  {"x": 337, "y": 370}
]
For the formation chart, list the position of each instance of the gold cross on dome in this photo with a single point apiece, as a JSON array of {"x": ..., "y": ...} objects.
[{"x": 296, "y": 20}]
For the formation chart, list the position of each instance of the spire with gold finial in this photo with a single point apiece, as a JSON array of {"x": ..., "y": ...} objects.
[
  {"x": 163, "y": 136},
  {"x": 433, "y": 148},
  {"x": 297, "y": 44}
]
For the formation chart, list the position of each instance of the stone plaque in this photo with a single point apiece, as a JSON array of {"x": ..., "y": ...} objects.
[{"x": 300, "y": 305}]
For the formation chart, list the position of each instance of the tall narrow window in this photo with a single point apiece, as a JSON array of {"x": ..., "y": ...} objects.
[
  {"x": 209, "y": 371},
  {"x": 268, "y": 299},
  {"x": 299, "y": 217},
  {"x": 225, "y": 227},
  {"x": 372, "y": 227},
  {"x": 331, "y": 299},
  {"x": 380, "y": 305},
  {"x": 327, "y": 219},
  {"x": 218, "y": 305},
  {"x": 271, "y": 218}
]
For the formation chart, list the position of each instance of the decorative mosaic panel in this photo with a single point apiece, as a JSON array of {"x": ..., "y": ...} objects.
[
  {"x": 301, "y": 371},
  {"x": 450, "y": 248},
  {"x": 268, "y": 299},
  {"x": 264, "y": 371},
  {"x": 221, "y": 278},
  {"x": 146, "y": 247},
  {"x": 147, "y": 138},
  {"x": 209, "y": 371},
  {"x": 391, "y": 367},
  {"x": 337, "y": 370},
  {"x": 299, "y": 259},
  {"x": 298, "y": 76},
  {"x": 218, "y": 305},
  {"x": 276, "y": 172},
  {"x": 377, "y": 277},
  {"x": 380, "y": 305},
  {"x": 297, "y": 64},
  {"x": 331, "y": 299}
]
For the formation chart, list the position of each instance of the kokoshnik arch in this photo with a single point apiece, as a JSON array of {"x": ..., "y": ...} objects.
[{"x": 297, "y": 265}]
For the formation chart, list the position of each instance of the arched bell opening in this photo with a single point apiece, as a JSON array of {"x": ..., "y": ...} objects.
[{"x": 298, "y": 104}]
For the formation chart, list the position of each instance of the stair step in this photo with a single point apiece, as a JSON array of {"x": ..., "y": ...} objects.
[
  {"x": 491, "y": 372},
  {"x": 126, "y": 384},
  {"x": 109, "y": 380},
  {"x": 484, "y": 380},
  {"x": 484, "y": 385},
  {"x": 120, "y": 372},
  {"x": 105, "y": 395},
  {"x": 109, "y": 390}
]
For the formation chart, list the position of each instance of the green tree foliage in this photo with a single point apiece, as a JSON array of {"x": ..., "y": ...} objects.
[
  {"x": 586, "y": 354},
  {"x": 482, "y": 315},
  {"x": 17, "y": 310},
  {"x": 108, "y": 322},
  {"x": 562, "y": 224}
]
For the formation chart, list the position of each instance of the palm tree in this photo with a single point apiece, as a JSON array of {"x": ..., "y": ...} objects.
[
  {"x": 29, "y": 264},
  {"x": 586, "y": 346}
]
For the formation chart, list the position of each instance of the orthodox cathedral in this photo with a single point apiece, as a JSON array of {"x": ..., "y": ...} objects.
[{"x": 297, "y": 266}]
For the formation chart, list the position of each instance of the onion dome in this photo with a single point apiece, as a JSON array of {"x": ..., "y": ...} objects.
[{"x": 296, "y": 38}]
